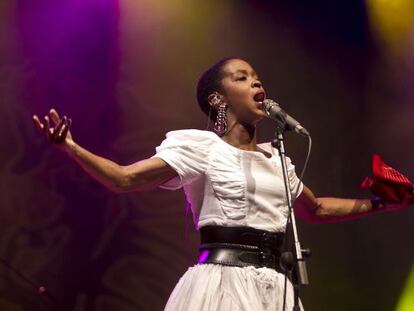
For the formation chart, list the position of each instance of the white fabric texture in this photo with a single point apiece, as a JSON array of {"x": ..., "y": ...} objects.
[
  {"x": 228, "y": 186},
  {"x": 210, "y": 287}
]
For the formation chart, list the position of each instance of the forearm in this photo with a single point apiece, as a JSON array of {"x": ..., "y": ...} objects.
[
  {"x": 342, "y": 207},
  {"x": 326, "y": 210},
  {"x": 105, "y": 171},
  {"x": 338, "y": 209}
]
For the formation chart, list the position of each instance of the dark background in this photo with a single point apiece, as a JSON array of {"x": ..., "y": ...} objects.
[{"x": 125, "y": 72}]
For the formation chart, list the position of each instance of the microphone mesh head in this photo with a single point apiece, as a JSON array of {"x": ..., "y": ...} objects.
[{"x": 267, "y": 104}]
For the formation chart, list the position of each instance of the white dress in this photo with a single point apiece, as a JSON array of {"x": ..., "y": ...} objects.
[{"x": 228, "y": 186}]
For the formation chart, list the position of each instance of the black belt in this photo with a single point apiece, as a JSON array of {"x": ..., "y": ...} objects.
[{"x": 240, "y": 246}]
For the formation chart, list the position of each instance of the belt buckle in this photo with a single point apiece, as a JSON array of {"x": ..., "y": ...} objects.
[
  {"x": 267, "y": 241},
  {"x": 267, "y": 244}
]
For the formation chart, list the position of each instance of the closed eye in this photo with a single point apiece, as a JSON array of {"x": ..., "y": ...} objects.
[{"x": 241, "y": 78}]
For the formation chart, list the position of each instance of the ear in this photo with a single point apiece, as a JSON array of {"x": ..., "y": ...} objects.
[{"x": 214, "y": 99}]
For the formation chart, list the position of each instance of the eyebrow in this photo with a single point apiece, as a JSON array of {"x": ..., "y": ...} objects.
[{"x": 246, "y": 72}]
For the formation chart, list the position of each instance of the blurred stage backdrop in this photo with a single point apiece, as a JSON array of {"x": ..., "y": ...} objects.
[{"x": 125, "y": 72}]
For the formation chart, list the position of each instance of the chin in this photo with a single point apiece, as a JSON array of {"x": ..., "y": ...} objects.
[{"x": 260, "y": 114}]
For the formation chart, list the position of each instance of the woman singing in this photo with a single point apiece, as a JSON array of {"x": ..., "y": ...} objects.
[{"x": 235, "y": 188}]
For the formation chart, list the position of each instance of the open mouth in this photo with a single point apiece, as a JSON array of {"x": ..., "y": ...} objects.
[{"x": 259, "y": 97}]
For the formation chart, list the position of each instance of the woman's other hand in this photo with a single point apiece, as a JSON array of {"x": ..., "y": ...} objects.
[{"x": 55, "y": 129}]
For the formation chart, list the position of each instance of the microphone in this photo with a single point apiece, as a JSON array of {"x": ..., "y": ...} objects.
[{"x": 284, "y": 121}]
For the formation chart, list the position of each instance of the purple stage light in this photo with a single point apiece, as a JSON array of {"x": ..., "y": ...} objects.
[{"x": 203, "y": 256}]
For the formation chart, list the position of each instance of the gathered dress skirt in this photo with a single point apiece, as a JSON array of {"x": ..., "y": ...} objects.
[{"x": 212, "y": 287}]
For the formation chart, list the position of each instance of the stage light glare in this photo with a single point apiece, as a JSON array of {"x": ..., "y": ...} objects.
[
  {"x": 392, "y": 20},
  {"x": 406, "y": 302}
]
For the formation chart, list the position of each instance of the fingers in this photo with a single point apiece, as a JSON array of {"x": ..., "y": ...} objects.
[
  {"x": 59, "y": 133},
  {"x": 58, "y": 128},
  {"x": 54, "y": 116},
  {"x": 46, "y": 128},
  {"x": 37, "y": 122},
  {"x": 64, "y": 130}
]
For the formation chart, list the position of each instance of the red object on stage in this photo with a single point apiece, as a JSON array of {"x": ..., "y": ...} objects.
[{"x": 388, "y": 184}]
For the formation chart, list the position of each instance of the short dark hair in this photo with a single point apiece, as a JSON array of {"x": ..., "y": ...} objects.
[{"x": 210, "y": 82}]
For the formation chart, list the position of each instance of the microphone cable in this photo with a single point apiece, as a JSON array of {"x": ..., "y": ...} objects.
[{"x": 39, "y": 289}]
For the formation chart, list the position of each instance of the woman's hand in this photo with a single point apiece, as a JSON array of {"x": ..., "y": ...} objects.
[{"x": 58, "y": 132}]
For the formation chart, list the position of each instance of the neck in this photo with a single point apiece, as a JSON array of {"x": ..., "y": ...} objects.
[{"x": 241, "y": 136}]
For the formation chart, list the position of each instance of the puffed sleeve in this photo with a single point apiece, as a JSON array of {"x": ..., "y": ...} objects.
[
  {"x": 186, "y": 151},
  {"x": 293, "y": 179}
]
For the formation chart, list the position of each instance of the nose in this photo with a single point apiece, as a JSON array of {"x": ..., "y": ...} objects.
[{"x": 257, "y": 83}]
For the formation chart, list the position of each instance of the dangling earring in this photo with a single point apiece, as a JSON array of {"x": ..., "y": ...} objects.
[{"x": 220, "y": 126}]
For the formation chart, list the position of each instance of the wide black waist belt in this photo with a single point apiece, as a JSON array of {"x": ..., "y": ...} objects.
[{"x": 240, "y": 246}]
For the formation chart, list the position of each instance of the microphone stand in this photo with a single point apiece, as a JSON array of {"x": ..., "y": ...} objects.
[{"x": 291, "y": 261}]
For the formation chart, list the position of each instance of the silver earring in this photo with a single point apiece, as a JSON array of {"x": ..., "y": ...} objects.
[
  {"x": 216, "y": 100},
  {"x": 220, "y": 126}
]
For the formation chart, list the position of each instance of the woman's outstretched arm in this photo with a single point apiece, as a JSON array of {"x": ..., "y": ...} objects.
[
  {"x": 140, "y": 176},
  {"x": 327, "y": 210}
]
